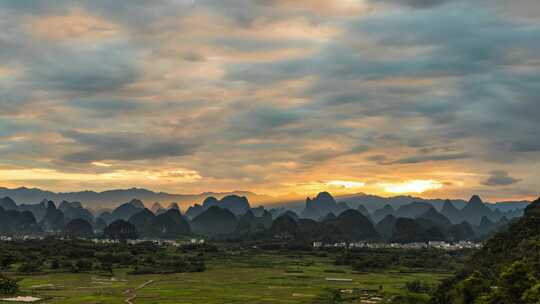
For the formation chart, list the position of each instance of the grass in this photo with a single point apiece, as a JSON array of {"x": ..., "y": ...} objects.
[{"x": 242, "y": 278}]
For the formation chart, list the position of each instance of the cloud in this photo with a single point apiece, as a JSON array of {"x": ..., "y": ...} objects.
[
  {"x": 106, "y": 68},
  {"x": 264, "y": 94},
  {"x": 417, "y": 3},
  {"x": 261, "y": 120},
  {"x": 500, "y": 178},
  {"x": 429, "y": 158},
  {"x": 124, "y": 146}
]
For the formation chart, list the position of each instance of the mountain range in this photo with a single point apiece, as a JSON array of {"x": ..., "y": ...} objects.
[
  {"x": 322, "y": 218},
  {"x": 112, "y": 198}
]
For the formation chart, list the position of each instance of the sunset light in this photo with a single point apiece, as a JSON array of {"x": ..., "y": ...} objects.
[
  {"x": 346, "y": 184},
  {"x": 412, "y": 186}
]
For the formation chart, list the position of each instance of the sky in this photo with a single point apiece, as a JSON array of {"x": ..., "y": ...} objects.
[{"x": 438, "y": 98}]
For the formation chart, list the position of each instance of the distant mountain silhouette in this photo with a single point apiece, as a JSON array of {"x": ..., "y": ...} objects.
[
  {"x": 461, "y": 232},
  {"x": 161, "y": 209},
  {"x": 13, "y": 222},
  {"x": 323, "y": 204},
  {"x": 363, "y": 210},
  {"x": 291, "y": 214},
  {"x": 124, "y": 211},
  {"x": 156, "y": 207},
  {"x": 231, "y": 216},
  {"x": 475, "y": 210},
  {"x": 38, "y": 209},
  {"x": 170, "y": 225},
  {"x": 142, "y": 221},
  {"x": 284, "y": 227},
  {"x": 79, "y": 227},
  {"x": 7, "y": 203},
  {"x": 173, "y": 205},
  {"x": 387, "y": 226},
  {"x": 112, "y": 198},
  {"x": 485, "y": 226},
  {"x": 193, "y": 211},
  {"x": 355, "y": 226},
  {"x": 328, "y": 218},
  {"x": 74, "y": 210},
  {"x": 54, "y": 219},
  {"x": 234, "y": 203},
  {"x": 409, "y": 230},
  {"x": 249, "y": 223},
  {"x": 437, "y": 218},
  {"x": 413, "y": 210},
  {"x": 214, "y": 221},
  {"x": 100, "y": 224},
  {"x": 320, "y": 206},
  {"x": 120, "y": 230},
  {"x": 238, "y": 205},
  {"x": 451, "y": 212},
  {"x": 381, "y": 213}
]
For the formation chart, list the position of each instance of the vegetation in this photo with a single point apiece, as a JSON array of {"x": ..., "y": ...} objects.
[
  {"x": 505, "y": 271},
  {"x": 260, "y": 276},
  {"x": 79, "y": 256},
  {"x": 379, "y": 259},
  {"x": 8, "y": 286}
]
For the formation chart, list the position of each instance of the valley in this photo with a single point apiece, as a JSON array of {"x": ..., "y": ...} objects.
[{"x": 239, "y": 276}]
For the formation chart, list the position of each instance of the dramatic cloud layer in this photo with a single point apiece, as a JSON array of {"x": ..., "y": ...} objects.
[{"x": 382, "y": 96}]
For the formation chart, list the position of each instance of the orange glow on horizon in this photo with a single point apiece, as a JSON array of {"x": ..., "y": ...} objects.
[{"x": 411, "y": 186}]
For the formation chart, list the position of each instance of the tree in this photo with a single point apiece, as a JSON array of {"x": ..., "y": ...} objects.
[
  {"x": 6, "y": 260},
  {"x": 8, "y": 286},
  {"x": 120, "y": 230},
  {"x": 83, "y": 265},
  {"x": 472, "y": 288},
  {"x": 532, "y": 295},
  {"x": 55, "y": 264},
  {"x": 514, "y": 283}
]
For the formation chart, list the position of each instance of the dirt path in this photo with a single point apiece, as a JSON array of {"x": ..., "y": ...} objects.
[{"x": 131, "y": 292}]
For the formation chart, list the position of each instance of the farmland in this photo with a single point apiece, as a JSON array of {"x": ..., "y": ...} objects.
[{"x": 242, "y": 276}]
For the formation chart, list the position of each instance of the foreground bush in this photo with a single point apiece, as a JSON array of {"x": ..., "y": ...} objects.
[{"x": 8, "y": 286}]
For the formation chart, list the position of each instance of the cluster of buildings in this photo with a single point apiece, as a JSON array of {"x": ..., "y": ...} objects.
[
  {"x": 5, "y": 238},
  {"x": 154, "y": 241},
  {"x": 418, "y": 245}
]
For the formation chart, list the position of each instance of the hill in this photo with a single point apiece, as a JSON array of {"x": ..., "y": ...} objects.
[
  {"x": 505, "y": 270},
  {"x": 475, "y": 210},
  {"x": 214, "y": 221}
]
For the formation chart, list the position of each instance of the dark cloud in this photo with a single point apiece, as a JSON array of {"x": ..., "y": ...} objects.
[
  {"x": 430, "y": 158},
  {"x": 417, "y": 3},
  {"x": 136, "y": 13},
  {"x": 527, "y": 145},
  {"x": 105, "y": 108},
  {"x": 125, "y": 146},
  {"x": 500, "y": 178},
  {"x": 261, "y": 121},
  {"x": 107, "y": 68}
]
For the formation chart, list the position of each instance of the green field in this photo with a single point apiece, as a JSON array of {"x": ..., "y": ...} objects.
[{"x": 242, "y": 278}]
